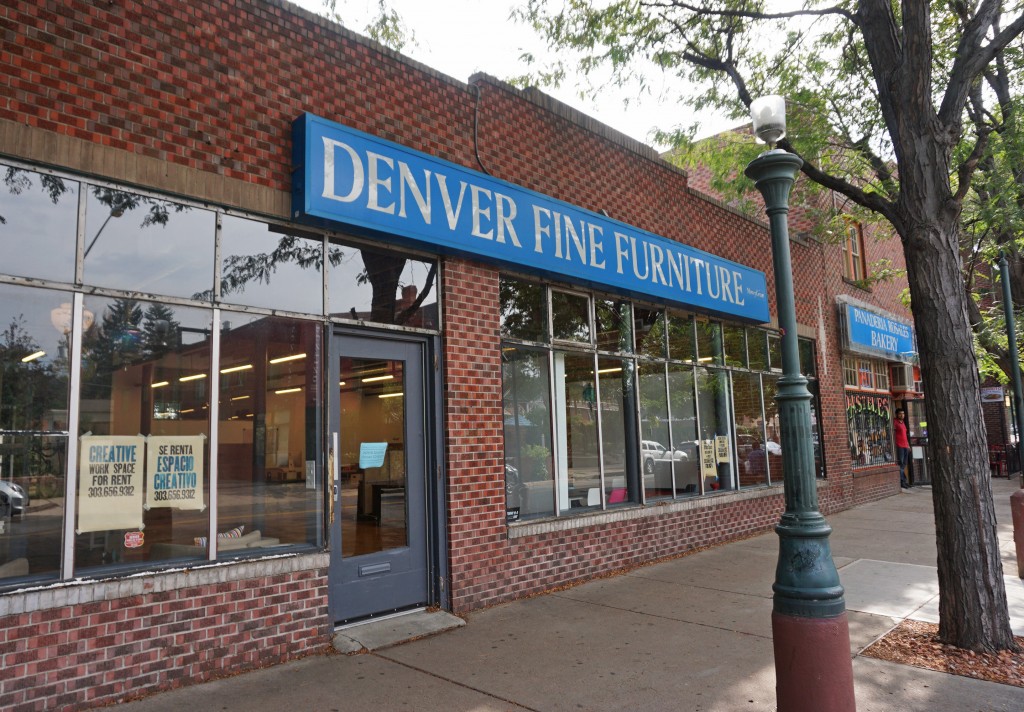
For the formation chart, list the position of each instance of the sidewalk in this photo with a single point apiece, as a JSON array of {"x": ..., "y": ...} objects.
[{"x": 686, "y": 635}]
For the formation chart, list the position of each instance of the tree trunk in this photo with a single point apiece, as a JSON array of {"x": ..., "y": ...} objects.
[{"x": 972, "y": 595}]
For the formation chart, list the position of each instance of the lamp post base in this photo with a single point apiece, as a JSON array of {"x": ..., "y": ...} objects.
[{"x": 813, "y": 667}]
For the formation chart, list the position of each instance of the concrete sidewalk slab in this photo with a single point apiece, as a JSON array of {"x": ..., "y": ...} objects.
[
  {"x": 328, "y": 683},
  {"x": 881, "y": 686},
  {"x": 929, "y": 612},
  {"x": 745, "y": 570},
  {"x": 557, "y": 654},
  {"x": 679, "y": 602},
  {"x": 885, "y": 588}
]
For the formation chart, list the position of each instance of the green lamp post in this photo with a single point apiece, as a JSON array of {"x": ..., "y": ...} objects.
[{"x": 810, "y": 631}]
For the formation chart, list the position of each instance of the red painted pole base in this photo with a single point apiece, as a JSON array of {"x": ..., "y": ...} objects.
[{"x": 813, "y": 666}]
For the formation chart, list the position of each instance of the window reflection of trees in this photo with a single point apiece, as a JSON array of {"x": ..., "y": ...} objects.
[{"x": 18, "y": 181}]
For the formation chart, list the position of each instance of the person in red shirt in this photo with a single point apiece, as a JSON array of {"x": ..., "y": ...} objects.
[{"x": 899, "y": 431}]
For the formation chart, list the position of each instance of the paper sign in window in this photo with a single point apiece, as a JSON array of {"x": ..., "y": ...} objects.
[
  {"x": 110, "y": 482},
  {"x": 372, "y": 454},
  {"x": 722, "y": 448},
  {"x": 174, "y": 472}
]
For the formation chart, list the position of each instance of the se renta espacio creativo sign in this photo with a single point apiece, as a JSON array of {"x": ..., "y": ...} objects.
[{"x": 373, "y": 186}]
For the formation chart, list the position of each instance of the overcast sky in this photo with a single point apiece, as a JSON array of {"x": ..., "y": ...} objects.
[{"x": 461, "y": 37}]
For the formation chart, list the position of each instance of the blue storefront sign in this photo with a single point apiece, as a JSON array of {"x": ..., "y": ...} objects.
[
  {"x": 876, "y": 334},
  {"x": 374, "y": 187}
]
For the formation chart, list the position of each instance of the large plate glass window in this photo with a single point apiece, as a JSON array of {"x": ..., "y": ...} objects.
[
  {"x": 570, "y": 317},
  {"x": 578, "y": 463},
  {"x": 142, "y": 244},
  {"x": 40, "y": 211},
  {"x": 143, "y": 489},
  {"x": 685, "y": 443},
  {"x": 34, "y": 347},
  {"x": 381, "y": 287},
  {"x": 654, "y": 430},
  {"x": 751, "y": 453},
  {"x": 268, "y": 489},
  {"x": 709, "y": 342},
  {"x": 526, "y": 401},
  {"x": 649, "y": 327},
  {"x": 618, "y": 428},
  {"x": 713, "y": 400},
  {"x": 268, "y": 266},
  {"x": 524, "y": 310}
]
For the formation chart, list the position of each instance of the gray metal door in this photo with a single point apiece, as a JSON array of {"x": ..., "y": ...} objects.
[{"x": 377, "y": 458}]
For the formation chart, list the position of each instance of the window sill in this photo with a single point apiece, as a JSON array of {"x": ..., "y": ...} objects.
[
  {"x": 536, "y": 527},
  {"x": 861, "y": 284}
]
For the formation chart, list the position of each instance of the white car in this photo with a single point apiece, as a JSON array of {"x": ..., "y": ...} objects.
[
  {"x": 15, "y": 495},
  {"x": 652, "y": 450}
]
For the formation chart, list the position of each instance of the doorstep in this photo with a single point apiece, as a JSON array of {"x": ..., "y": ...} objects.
[{"x": 393, "y": 630}]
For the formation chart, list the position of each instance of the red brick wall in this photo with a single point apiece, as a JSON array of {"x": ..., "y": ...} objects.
[{"x": 137, "y": 636}]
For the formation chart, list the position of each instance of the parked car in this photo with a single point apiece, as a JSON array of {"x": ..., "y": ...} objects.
[
  {"x": 652, "y": 451},
  {"x": 16, "y": 496}
]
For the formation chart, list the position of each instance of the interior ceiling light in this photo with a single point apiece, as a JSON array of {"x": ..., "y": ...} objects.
[
  {"x": 33, "y": 357},
  {"x": 239, "y": 398},
  {"x": 160, "y": 384},
  {"x": 244, "y": 367},
  {"x": 194, "y": 377},
  {"x": 282, "y": 359},
  {"x": 371, "y": 379},
  {"x": 391, "y": 395},
  {"x": 287, "y": 390},
  {"x": 617, "y": 369}
]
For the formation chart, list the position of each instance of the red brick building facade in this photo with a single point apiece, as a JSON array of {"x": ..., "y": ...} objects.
[{"x": 194, "y": 103}]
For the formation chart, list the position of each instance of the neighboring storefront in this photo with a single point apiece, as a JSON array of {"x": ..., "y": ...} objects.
[
  {"x": 274, "y": 362},
  {"x": 880, "y": 376}
]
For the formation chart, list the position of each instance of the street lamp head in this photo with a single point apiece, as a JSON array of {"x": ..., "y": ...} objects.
[{"x": 769, "y": 116}]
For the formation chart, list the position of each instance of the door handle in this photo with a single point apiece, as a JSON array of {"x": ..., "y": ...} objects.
[{"x": 332, "y": 467}]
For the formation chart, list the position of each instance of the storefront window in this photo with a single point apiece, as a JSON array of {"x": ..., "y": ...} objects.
[
  {"x": 713, "y": 400},
  {"x": 757, "y": 347},
  {"x": 654, "y": 431},
  {"x": 143, "y": 485},
  {"x": 735, "y": 346},
  {"x": 265, "y": 266},
  {"x": 773, "y": 443},
  {"x": 807, "y": 362},
  {"x": 268, "y": 434},
  {"x": 33, "y": 431},
  {"x": 685, "y": 442},
  {"x": 751, "y": 455},
  {"x": 523, "y": 310},
  {"x": 526, "y": 400},
  {"x": 381, "y": 287},
  {"x": 578, "y": 464},
  {"x": 870, "y": 430},
  {"x": 697, "y": 426},
  {"x": 681, "y": 346},
  {"x": 614, "y": 326},
  {"x": 649, "y": 327},
  {"x": 570, "y": 317},
  {"x": 148, "y": 245},
  {"x": 618, "y": 428},
  {"x": 40, "y": 210},
  {"x": 709, "y": 342}
]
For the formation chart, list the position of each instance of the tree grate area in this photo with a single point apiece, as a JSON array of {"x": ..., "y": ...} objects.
[{"x": 916, "y": 643}]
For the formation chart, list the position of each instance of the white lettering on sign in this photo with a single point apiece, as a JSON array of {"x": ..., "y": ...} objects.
[{"x": 389, "y": 185}]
